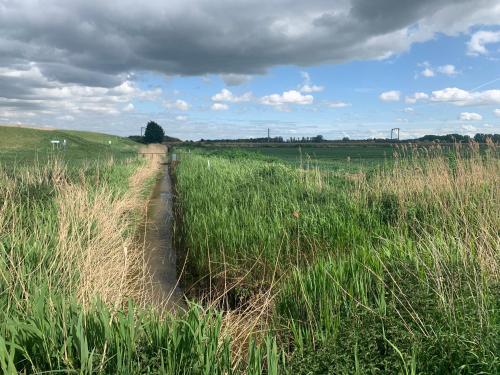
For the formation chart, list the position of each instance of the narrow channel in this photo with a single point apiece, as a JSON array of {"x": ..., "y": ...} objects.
[{"x": 160, "y": 253}]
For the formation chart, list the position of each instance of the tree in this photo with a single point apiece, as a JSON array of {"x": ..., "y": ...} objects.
[
  {"x": 154, "y": 133},
  {"x": 318, "y": 138}
]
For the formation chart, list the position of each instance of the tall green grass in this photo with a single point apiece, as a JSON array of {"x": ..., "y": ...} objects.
[
  {"x": 66, "y": 303},
  {"x": 394, "y": 271},
  {"x": 56, "y": 335}
]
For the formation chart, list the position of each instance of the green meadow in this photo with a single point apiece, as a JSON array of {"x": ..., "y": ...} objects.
[
  {"x": 312, "y": 261},
  {"x": 352, "y": 157}
]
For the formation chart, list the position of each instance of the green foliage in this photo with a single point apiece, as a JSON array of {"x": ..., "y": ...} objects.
[
  {"x": 154, "y": 133},
  {"x": 382, "y": 274},
  {"x": 24, "y": 145},
  {"x": 42, "y": 326},
  {"x": 342, "y": 157},
  {"x": 391, "y": 271},
  {"x": 58, "y": 335}
]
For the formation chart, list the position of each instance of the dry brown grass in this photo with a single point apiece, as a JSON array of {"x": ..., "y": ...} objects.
[
  {"x": 46, "y": 128},
  {"x": 98, "y": 250},
  {"x": 428, "y": 170},
  {"x": 467, "y": 196},
  {"x": 97, "y": 237},
  {"x": 248, "y": 321}
]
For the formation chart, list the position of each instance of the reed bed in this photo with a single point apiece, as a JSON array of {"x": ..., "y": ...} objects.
[
  {"x": 74, "y": 287},
  {"x": 394, "y": 269}
]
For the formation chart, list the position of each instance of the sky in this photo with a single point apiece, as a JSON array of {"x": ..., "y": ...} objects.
[{"x": 234, "y": 68}]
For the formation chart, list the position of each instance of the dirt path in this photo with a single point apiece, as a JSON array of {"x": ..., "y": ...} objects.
[{"x": 160, "y": 254}]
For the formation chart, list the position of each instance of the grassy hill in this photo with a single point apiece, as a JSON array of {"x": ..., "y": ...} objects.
[{"x": 22, "y": 143}]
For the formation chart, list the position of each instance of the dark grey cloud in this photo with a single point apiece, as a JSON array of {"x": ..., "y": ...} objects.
[
  {"x": 60, "y": 57},
  {"x": 72, "y": 74},
  {"x": 21, "y": 104},
  {"x": 91, "y": 41},
  {"x": 13, "y": 87},
  {"x": 389, "y": 15}
]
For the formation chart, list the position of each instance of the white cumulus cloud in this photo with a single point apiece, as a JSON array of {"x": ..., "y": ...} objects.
[
  {"x": 311, "y": 88},
  {"x": 390, "y": 96},
  {"x": 430, "y": 71},
  {"x": 470, "y": 116},
  {"x": 427, "y": 72},
  {"x": 448, "y": 70},
  {"x": 479, "y": 40},
  {"x": 416, "y": 97},
  {"x": 496, "y": 112},
  {"x": 288, "y": 97},
  {"x": 219, "y": 107},
  {"x": 227, "y": 96},
  {"x": 307, "y": 86},
  {"x": 179, "y": 104},
  {"x": 462, "y": 97}
]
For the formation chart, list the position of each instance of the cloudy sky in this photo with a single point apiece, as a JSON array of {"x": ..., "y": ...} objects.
[{"x": 233, "y": 68}]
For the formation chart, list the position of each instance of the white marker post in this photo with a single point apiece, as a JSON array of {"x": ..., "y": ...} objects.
[{"x": 55, "y": 143}]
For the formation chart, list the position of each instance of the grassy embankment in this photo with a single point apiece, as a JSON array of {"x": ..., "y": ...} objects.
[
  {"x": 391, "y": 271},
  {"x": 18, "y": 144},
  {"x": 73, "y": 286}
]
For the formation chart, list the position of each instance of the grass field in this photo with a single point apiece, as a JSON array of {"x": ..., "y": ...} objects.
[
  {"x": 291, "y": 268},
  {"x": 325, "y": 156},
  {"x": 340, "y": 157}
]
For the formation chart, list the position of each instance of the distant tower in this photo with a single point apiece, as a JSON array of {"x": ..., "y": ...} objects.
[
  {"x": 268, "y": 135},
  {"x": 395, "y": 133}
]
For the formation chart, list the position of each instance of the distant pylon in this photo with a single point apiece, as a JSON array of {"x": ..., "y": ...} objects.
[{"x": 393, "y": 131}]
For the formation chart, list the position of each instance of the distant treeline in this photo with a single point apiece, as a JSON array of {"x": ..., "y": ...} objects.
[
  {"x": 316, "y": 139},
  {"x": 449, "y": 138},
  {"x": 479, "y": 137}
]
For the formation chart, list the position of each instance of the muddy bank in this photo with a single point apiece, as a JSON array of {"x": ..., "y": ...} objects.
[{"x": 160, "y": 254}]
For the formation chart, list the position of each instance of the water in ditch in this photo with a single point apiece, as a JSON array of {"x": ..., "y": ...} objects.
[{"x": 160, "y": 253}]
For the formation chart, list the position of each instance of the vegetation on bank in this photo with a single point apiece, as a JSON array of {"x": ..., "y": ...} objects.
[
  {"x": 394, "y": 270},
  {"x": 74, "y": 289},
  {"x": 19, "y": 144},
  {"x": 297, "y": 268}
]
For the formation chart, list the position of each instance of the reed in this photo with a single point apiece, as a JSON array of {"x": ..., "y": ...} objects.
[
  {"x": 75, "y": 292},
  {"x": 393, "y": 270}
]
